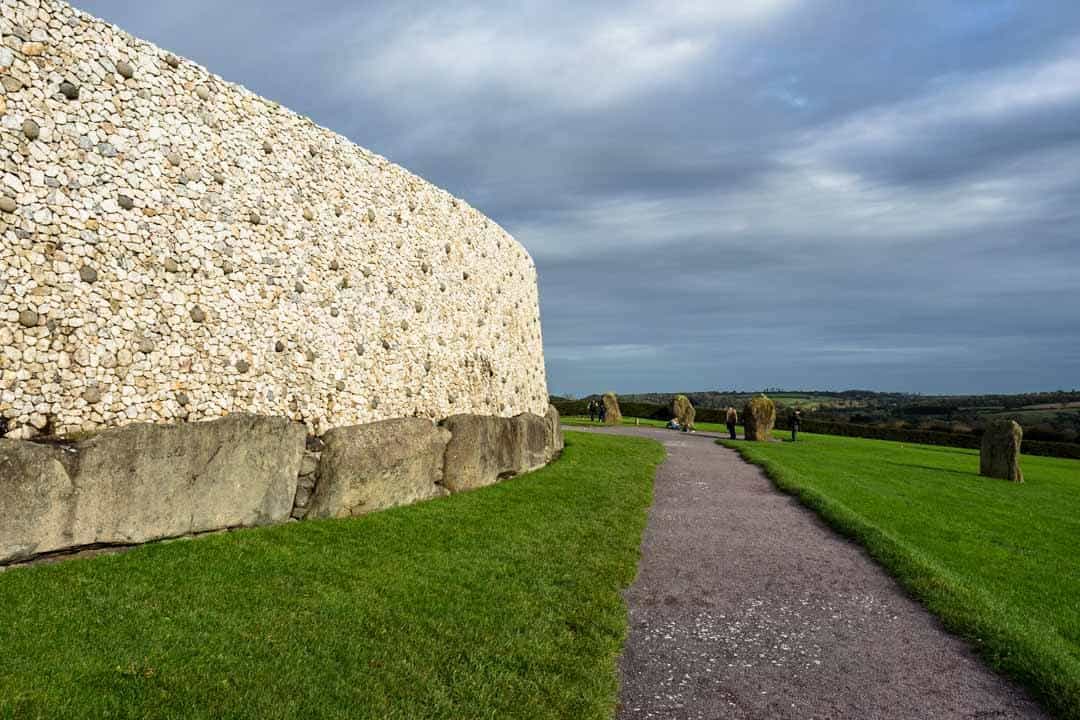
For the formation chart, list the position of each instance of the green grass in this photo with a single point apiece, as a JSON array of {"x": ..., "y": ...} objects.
[
  {"x": 500, "y": 603},
  {"x": 998, "y": 562},
  {"x": 578, "y": 421}
]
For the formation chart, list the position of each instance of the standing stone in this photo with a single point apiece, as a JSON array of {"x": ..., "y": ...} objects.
[
  {"x": 611, "y": 406},
  {"x": 1000, "y": 456},
  {"x": 683, "y": 411},
  {"x": 759, "y": 418}
]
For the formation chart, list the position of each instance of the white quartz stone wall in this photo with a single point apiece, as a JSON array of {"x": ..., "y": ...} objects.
[{"x": 175, "y": 247}]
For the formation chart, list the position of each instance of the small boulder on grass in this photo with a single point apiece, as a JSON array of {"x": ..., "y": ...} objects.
[
  {"x": 1000, "y": 455},
  {"x": 612, "y": 416},
  {"x": 759, "y": 418},
  {"x": 683, "y": 411}
]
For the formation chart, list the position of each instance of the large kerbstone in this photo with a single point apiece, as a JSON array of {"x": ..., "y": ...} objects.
[
  {"x": 482, "y": 450},
  {"x": 37, "y": 498},
  {"x": 532, "y": 434},
  {"x": 683, "y": 411},
  {"x": 379, "y": 465},
  {"x": 613, "y": 415},
  {"x": 147, "y": 482},
  {"x": 759, "y": 418},
  {"x": 555, "y": 440},
  {"x": 1000, "y": 455}
]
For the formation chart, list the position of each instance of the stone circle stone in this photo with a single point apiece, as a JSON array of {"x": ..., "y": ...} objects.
[
  {"x": 31, "y": 129},
  {"x": 197, "y": 314},
  {"x": 759, "y": 418},
  {"x": 88, "y": 274},
  {"x": 7, "y": 204},
  {"x": 1000, "y": 453},
  {"x": 69, "y": 90},
  {"x": 125, "y": 202},
  {"x": 682, "y": 410},
  {"x": 28, "y": 318},
  {"x": 613, "y": 414},
  {"x": 125, "y": 69},
  {"x": 242, "y": 366}
]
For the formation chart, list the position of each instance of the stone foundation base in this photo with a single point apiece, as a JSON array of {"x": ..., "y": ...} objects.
[{"x": 141, "y": 483}]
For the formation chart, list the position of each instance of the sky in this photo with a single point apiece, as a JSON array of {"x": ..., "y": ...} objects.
[{"x": 818, "y": 194}]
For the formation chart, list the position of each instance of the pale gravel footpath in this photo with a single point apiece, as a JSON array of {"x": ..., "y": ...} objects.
[{"x": 747, "y": 606}]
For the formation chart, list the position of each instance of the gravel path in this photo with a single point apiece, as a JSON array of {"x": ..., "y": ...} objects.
[{"x": 747, "y": 606}]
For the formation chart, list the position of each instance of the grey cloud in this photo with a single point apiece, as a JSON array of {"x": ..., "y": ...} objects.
[{"x": 823, "y": 194}]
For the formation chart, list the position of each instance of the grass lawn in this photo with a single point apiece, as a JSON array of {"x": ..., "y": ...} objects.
[
  {"x": 998, "y": 562},
  {"x": 500, "y": 603}
]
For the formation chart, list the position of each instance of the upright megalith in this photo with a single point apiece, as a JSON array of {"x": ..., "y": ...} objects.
[
  {"x": 612, "y": 413},
  {"x": 1000, "y": 456},
  {"x": 683, "y": 411},
  {"x": 759, "y": 417}
]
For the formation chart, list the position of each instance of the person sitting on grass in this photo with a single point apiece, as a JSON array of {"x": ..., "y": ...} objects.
[{"x": 673, "y": 424}]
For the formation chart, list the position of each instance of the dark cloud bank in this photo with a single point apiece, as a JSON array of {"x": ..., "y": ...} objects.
[{"x": 799, "y": 193}]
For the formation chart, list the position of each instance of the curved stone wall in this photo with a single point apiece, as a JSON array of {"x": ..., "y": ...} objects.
[{"x": 177, "y": 248}]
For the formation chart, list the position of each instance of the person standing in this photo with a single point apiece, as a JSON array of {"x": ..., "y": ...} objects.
[
  {"x": 601, "y": 409},
  {"x": 731, "y": 418},
  {"x": 796, "y": 421},
  {"x": 592, "y": 411}
]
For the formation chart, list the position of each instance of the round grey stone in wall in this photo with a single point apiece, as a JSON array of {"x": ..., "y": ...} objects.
[
  {"x": 197, "y": 314},
  {"x": 125, "y": 69},
  {"x": 7, "y": 204},
  {"x": 28, "y": 318},
  {"x": 88, "y": 274},
  {"x": 125, "y": 202},
  {"x": 31, "y": 129},
  {"x": 172, "y": 61},
  {"x": 242, "y": 366},
  {"x": 203, "y": 92},
  {"x": 69, "y": 90},
  {"x": 171, "y": 265},
  {"x": 254, "y": 218}
]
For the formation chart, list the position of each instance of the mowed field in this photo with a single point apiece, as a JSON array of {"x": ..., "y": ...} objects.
[
  {"x": 998, "y": 562},
  {"x": 499, "y": 603}
]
